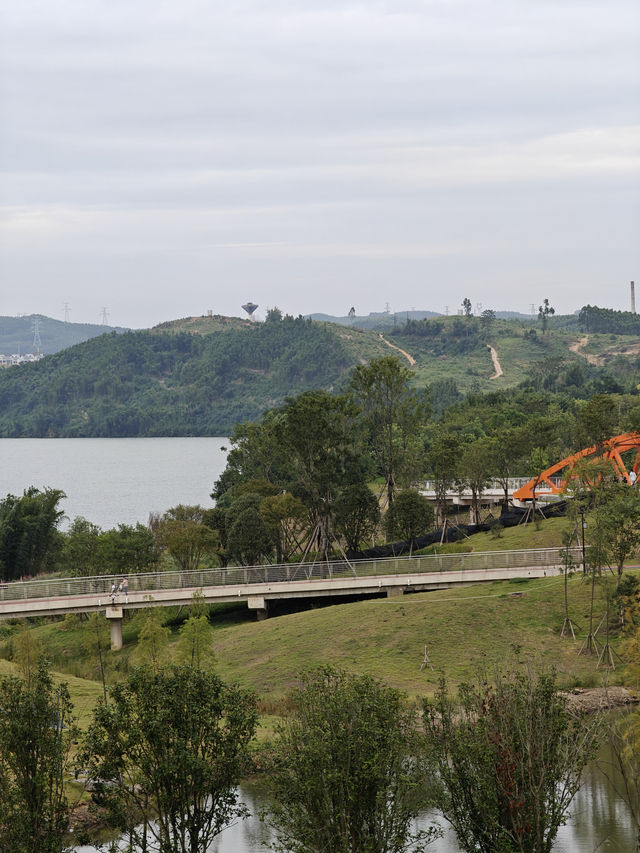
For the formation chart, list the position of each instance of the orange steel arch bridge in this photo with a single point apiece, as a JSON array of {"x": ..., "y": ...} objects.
[{"x": 554, "y": 480}]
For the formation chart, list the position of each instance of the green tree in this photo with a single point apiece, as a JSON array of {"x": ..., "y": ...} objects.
[
  {"x": 475, "y": 469},
  {"x": 509, "y": 754},
  {"x": 37, "y": 731},
  {"x": 195, "y": 646},
  {"x": 183, "y": 532},
  {"x": 409, "y": 516},
  {"x": 506, "y": 453},
  {"x": 249, "y": 540},
  {"x": 170, "y": 747},
  {"x": 356, "y": 515},
  {"x": 322, "y": 436},
  {"x": 617, "y": 522},
  {"x": 467, "y": 308},
  {"x": 346, "y": 775},
  {"x": 393, "y": 413},
  {"x": 127, "y": 549},
  {"x": 597, "y": 421},
  {"x": 30, "y": 541},
  {"x": 95, "y": 642},
  {"x": 27, "y": 651},
  {"x": 544, "y": 312},
  {"x": 81, "y": 549},
  {"x": 153, "y": 639},
  {"x": 487, "y": 318},
  {"x": 285, "y": 518},
  {"x": 442, "y": 467}
]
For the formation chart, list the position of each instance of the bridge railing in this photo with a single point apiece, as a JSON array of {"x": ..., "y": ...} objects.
[{"x": 150, "y": 582}]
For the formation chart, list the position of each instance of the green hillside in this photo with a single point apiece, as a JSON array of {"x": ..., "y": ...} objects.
[
  {"x": 17, "y": 334},
  {"x": 201, "y": 375},
  {"x": 168, "y": 381}
]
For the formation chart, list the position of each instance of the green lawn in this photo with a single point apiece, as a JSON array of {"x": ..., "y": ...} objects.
[{"x": 462, "y": 628}]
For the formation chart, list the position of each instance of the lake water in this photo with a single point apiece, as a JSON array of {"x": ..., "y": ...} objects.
[{"x": 114, "y": 481}]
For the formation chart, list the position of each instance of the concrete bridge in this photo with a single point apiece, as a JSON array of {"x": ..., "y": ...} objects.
[{"x": 257, "y": 585}]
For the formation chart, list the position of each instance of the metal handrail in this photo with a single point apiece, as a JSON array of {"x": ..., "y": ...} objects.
[{"x": 149, "y": 582}]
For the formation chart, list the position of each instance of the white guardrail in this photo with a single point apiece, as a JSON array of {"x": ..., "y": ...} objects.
[{"x": 287, "y": 572}]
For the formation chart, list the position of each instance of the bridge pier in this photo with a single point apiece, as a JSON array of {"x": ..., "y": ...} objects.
[
  {"x": 395, "y": 591},
  {"x": 260, "y": 605},
  {"x": 114, "y": 615}
]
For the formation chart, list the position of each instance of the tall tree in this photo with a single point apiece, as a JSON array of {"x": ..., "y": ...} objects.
[
  {"x": 356, "y": 515},
  {"x": 509, "y": 754},
  {"x": 170, "y": 747},
  {"x": 183, "y": 532},
  {"x": 409, "y": 516},
  {"x": 475, "y": 469},
  {"x": 346, "y": 776},
  {"x": 322, "y": 436},
  {"x": 285, "y": 518},
  {"x": 393, "y": 413},
  {"x": 153, "y": 641},
  {"x": 544, "y": 312},
  {"x": 37, "y": 731},
  {"x": 617, "y": 522},
  {"x": 249, "y": 540},
  {"x": 442, "y": 463},
  {"x": 29, "y": 537},
  {"x": 505, "y": 453},
  {"x": 596, "y": 421}
]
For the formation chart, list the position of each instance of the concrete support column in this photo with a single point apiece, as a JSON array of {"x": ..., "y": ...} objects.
[
  {"x": 395, "y": 592},
  {"x": 114, "y": 615},
  {"x": 260, "y": 605}
]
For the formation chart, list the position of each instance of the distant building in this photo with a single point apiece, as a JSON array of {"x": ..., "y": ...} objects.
[{"x": 16, "y": 358}]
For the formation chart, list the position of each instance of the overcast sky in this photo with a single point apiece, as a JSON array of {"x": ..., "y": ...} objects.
[{"x": 160, "y": 158}]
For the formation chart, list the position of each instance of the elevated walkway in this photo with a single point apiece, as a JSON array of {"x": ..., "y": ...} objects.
[{"x": 257, "y": 585}]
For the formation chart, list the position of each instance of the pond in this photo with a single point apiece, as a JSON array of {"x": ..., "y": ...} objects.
[{"x": 599, "y": 821}]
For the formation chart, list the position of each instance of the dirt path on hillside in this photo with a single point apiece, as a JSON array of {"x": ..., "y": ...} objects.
[
  {"x": 409, "y": 358},
  {"x": 577, "y": 346},
  {"x": 496, "y": 364}
]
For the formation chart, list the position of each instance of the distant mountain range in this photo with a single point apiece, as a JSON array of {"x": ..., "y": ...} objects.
[
  {"x": 19, "y": 334},
  {"x": 392, "y": 319}
]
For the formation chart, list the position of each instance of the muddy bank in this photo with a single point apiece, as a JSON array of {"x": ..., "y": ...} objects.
[{"x": 600, "y": 698}]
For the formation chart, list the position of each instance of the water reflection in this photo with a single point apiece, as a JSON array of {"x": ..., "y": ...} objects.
[{"x": 599, "y": 821}]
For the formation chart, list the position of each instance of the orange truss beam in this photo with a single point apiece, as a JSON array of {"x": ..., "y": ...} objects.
[{"x": 554, "y": 480}]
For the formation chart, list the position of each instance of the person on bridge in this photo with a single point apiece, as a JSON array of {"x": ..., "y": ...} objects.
[
  {"x": 124, "y": 586},
  {"x": 113, "y": 593}
]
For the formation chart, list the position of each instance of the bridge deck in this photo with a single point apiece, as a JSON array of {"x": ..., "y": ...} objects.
[{"x": 258, "y": 584}]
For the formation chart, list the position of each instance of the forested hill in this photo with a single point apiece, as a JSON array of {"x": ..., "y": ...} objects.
[
  {"x": 202, "y": 375},
  {"x": 171, "y": 382}
]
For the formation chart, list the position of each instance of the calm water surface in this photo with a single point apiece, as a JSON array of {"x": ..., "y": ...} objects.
[
  {"x": 599, "y": 822},
  {"x": 114, "y": 481}
]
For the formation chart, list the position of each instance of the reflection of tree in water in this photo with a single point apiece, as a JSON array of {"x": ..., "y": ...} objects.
[{"x": 597, "y": 815}]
